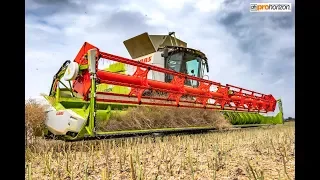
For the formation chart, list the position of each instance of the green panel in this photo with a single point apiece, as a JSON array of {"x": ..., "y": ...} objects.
[
  {"x": 278, "y": 119},
  {"x": 120, "y": 90},
  {"x": 82, "y": 112},
  {"x": 251, "y": 118},
  {"x": 231, "y": 117},
  {"x": 254, "y": 118},
  {"x": 259, "y": 119},
  {"x": 244, "y": 116},
  {"x": 116, "y": 67},
  {"x": 238, "y": 117},
  {"x": 237, "y": 120},
  {"x": 103, "y": 88}
]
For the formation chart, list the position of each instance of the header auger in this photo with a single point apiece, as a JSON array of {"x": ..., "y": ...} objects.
[{"x": 159, "y": 74}]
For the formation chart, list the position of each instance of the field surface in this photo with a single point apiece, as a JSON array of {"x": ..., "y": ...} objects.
[{"x": 260, "y": 153}]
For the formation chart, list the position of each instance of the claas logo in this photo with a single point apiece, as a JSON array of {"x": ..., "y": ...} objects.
[
  {"x": 59, "y": 113},
  {"x": 145, "y": 60}
]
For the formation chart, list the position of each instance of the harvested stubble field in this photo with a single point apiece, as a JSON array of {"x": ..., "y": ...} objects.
[{"x": 263, "y": 153}]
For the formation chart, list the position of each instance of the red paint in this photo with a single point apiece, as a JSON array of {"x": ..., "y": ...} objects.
[{"x": 248, "y": 101}]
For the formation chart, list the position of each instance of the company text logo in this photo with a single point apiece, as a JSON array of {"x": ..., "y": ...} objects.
[
  {"x": 270, "y": 7},
  {"x": 145, "y": 60}
]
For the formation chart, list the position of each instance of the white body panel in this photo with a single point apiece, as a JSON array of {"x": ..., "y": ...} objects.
[
  {"x": 60, "y": 122},
  {"x": 154, "y": 59}
]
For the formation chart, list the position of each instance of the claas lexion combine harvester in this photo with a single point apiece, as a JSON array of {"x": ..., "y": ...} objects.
[{"x": 161, "y": 64}]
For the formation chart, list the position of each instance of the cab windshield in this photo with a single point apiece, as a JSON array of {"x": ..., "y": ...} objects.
[{"x": 186, "y": 63}]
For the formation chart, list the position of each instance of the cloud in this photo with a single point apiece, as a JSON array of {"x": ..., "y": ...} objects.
[
  {"x": 135, "y": 21},
  {"x": 251, "y": 50}
]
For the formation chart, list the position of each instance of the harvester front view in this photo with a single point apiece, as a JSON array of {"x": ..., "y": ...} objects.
[{"x": 163, "y": 72}]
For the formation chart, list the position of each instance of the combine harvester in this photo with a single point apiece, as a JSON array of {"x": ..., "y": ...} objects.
[{"x": 160, "y": 64}]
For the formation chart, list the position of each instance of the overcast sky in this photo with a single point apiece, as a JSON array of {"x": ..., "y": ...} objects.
[{"x": 252, "y": 50}]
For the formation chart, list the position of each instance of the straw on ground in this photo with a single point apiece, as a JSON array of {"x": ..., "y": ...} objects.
[{"x": 264, "y": 153}]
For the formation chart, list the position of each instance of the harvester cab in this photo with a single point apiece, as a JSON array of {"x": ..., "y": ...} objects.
[
  {"x": 168, "y": 52},
  {"x": 82, "y": 95}
]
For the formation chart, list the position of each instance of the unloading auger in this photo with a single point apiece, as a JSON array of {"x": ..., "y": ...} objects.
[{"x": 157, "y": 66}]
